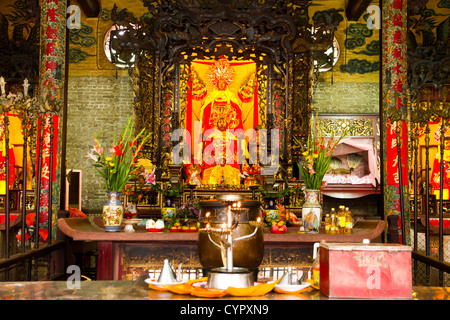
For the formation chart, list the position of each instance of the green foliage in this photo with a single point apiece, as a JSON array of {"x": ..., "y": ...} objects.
[{"x": 267, "y": 194}]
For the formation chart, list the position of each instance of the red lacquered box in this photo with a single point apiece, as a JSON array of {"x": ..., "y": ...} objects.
[{"x": 358, "y": 270}]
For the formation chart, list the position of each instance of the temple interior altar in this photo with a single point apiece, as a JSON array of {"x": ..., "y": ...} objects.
[{"x": 256, "y": 132}]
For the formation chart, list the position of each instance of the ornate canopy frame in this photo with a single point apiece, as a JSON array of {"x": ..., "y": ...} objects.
[{"x": 275, "y": 34}]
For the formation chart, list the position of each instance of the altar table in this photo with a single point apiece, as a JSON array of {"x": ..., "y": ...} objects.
[{"x": 112, "y": 245}]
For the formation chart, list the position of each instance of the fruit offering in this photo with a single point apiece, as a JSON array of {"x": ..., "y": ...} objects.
[
  {"x": 182, "y": 225},
  {"x": 278, "y": 226},
  {"x": 189, "y": 228},
  {"x": 176, "y": 227}
]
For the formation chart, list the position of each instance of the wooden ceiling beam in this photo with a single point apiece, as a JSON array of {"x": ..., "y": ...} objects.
[{"x": 355, "y": 8}]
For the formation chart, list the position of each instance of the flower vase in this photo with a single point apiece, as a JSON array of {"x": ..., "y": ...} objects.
[
  {"x": 272, "y": 213},
  {"x": 169, "y": 211},
  {"x": 312, "y": 211},
  {"x": 113, "y": 212}
]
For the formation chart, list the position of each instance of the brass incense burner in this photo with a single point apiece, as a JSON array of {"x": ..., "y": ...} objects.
[{"x": 222, "y": 237}]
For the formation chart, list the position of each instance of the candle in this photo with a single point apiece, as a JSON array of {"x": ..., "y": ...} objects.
[
  {"x": 2, "y": 85},
  {"x": 229, "y": 216},
  {"x": 25, "y": 88},
  {"x": 239, "y": 204}
]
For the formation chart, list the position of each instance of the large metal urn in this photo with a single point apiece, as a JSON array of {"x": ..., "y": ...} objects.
[{"x": 248, "y": 252}]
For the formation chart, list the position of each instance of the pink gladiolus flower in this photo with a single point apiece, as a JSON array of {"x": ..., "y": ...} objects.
[
  {"x": 150, "y": 177},
  {"x": 98, "y": 149},
  {"x": 93, "y": 156}
]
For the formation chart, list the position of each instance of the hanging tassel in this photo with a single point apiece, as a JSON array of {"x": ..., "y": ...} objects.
[
  {"x": 345, "y": 43},
  {"x": 332, "y": 73},
  {"x": 332, "y": 61}
]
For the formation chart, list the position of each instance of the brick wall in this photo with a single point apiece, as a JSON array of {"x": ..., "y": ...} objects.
[
  {"x": 347, "y": 97},
  {"x": 95, "y": 104}
]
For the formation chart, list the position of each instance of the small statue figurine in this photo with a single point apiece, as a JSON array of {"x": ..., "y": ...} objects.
[
  {"x": 194, "y": 173},
  {"x": 165, "y": 160},
  {"x": 131, "y": 208},
  {"x": 194, "y": 179}
]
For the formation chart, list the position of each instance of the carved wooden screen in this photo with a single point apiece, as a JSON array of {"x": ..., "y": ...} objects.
[{"x": 276, "y": 35}]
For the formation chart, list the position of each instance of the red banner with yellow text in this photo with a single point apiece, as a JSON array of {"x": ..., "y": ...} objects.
[
  {"x": 46, "y": 147},
  {"x": 393, "y": 155}
]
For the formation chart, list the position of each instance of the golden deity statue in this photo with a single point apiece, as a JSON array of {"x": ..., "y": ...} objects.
[{"x": 221, "y": 118}]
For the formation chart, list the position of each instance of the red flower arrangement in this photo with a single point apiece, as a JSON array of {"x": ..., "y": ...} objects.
[
  {"x": 252, "y": 170},
  {"x": 115, "y": 169}
]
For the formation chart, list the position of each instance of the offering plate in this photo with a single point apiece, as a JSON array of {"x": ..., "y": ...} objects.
[{"x": 282, "y": 288}]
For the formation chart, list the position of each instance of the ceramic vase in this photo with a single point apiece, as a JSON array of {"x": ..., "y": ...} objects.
[
  {"x": 272, "y": 213},
  {"x": 113, "y": 212},
  {"x": 312, "y": 211},
  {"x": 169, "y": 211}
]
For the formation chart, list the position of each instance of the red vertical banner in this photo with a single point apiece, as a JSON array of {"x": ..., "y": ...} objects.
[
  {"x": 46, "y": 148},
  {"x": 255, "y": 105},
  {"x": 392, "y": 158}
]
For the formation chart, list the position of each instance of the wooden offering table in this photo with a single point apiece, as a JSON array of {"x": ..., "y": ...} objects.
[{"x": 123, "y": 253}]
